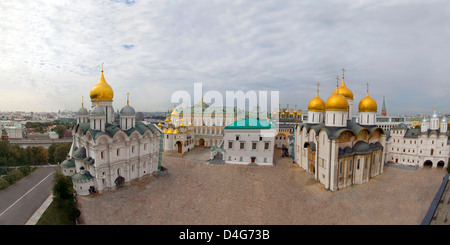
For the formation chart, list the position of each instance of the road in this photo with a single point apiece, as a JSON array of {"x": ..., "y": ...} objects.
[{"x": 19, "y": 201}]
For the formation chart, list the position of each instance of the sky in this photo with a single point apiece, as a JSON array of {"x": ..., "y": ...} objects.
[{"x": 51, "y": 52}]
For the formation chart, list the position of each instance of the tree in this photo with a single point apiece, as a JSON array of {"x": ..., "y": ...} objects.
[
  {"x": 3, "y": 184},
  {"x": 61, "y": 152},
  {"x": 62, "y": 188},
  {"x": 60, "y": 129}
]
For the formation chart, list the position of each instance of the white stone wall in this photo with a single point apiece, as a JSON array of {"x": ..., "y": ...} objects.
[{"x": 235, "y": 155}]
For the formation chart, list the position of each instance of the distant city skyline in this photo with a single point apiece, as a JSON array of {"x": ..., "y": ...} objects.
[{"x": 52, "y": 52}]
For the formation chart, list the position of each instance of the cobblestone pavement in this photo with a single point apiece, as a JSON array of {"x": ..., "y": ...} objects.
[{"x": 198, "y": 193}]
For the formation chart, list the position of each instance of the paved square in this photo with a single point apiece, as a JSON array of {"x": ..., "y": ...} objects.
[{"x": 198, "y": 193}]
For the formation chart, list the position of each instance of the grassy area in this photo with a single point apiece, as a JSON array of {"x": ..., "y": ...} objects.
[{"x": 57, "y": 215}]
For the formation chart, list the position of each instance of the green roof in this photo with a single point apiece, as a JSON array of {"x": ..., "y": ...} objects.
[
  {"x": 68, "y": 163},
  {"x": 82, "y": 177},
  {"x": 250, "y": 123}
]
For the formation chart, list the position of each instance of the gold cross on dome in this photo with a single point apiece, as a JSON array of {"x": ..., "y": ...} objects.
[{"x": 343, "y": 70}]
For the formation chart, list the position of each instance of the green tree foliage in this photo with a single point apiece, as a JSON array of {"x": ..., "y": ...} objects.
[
  {"x": 13, "y": 176},
  {"x": 60, "y": 129},
  {"x": 3, "y": 184},
  {"x": 62, "y": 188},
  {"x": 61, "y": 151}
]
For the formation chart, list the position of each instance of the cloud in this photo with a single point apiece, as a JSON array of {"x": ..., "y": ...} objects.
[{"x": 52, "y": 51}]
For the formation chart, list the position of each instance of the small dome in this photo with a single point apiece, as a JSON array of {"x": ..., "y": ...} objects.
[
  {"x": 82, "y": 112},
  {"x": 368, "y": 104},
  {"x": 336, "y": 102},
  {"x": 127, "y": 111},
  {"x": 159, "y": 125},
  {"x": 102, "y": 90},
  {"x": 170, "y": 131},
  {"x": 181, "y": 125},
  {"x": 167, "y": 120},
  {"x": 165, "y": 131},
  {"x": 316, "y": 104},
  {"x": 98, "y": 111},
  {"x": 176, "y": 131}
]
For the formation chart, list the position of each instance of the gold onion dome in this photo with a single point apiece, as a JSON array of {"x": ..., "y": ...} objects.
[
  {"x": 316, "y": 104},
  {"x": 167, "y": 120},
  {"x": 368, "y": 104},
  {"x": 159, "y": 124},
  {"x": 176, "y": 131},
  {"x": 181, "y": 125},
  {"x": 170, "y": 131},
  {"x": 174, "y": 113},
  {"x": 102, "y": 90},
  {"x": 336, "y": 102},
  {"x": 346, "y": 92},
  {"x": 165, "y": 131}
]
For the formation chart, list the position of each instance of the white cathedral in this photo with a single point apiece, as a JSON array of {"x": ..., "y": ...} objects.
[
  {"x": 106, "y": 155},
  {"x": 336, "y": 150}
]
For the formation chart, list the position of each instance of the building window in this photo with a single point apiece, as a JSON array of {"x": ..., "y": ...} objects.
[
  {"x": 102, "y": 154},
  {"x": 260, "y": 138},
  {"x": 241, "y": 159},
  {"x": 254, "y": 146},
  {"x": 242, "y": 145},
  {"x": 340, "y": 167},
  {"x": 350, "y": 166},
  {"x": 230, "y": 144},
  {"x": 266, "y": 146},
  {"x": 357, "y": 167},
  {"x": 118, "y": 150},
  {"x": 132, "y": 149},
  {"x": 229, "y": 158},
  {"x": 145, "y": 146},
  {"x": 237, "y": 137}
]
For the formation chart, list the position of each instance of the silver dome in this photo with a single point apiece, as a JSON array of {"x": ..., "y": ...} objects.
[
  {"x": 127, "y": 111},
  {"x": 98, "y": 111}
]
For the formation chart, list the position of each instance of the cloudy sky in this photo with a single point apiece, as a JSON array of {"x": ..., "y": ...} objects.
[{"x": 51, "y": 52}]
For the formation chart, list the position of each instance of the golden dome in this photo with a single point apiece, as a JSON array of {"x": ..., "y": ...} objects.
[
  {"x": 336, "y": 102},
  {"x": 368, "y": 104},
  {"x": 102, "y": 90},
  {"x": 159, "y": 125},
  {"x": 165, "y": 131},
  {"x": 348, "y": 94},
  {"x": 167, "y": 120},
  {"x": 287, "y": 111},
  {"x": 174, "y": 113},
  {"x": 181, "y": 125},
  {"x": 176, "y": 131},
  {"x": 295, "y": 112},
  {"x": 316, "y": 104},
  {"x": 170, "y": 131},
  {"x": 190, "y": 123}
]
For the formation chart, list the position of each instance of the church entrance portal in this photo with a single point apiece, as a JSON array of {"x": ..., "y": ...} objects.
[
  {"x": 440, "y": 164},
  {"x": 120, "y": 181},
  {"x": 180, "y": 146},
  {"x": 428, "y": 164},
  {"x": 201, "y": 142}
]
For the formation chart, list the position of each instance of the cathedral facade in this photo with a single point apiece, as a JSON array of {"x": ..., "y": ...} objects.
[
  {"x": 427, "y": 146},
  {"x": 106, "y": 155},
  {"x": 336, "y": 150}
]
